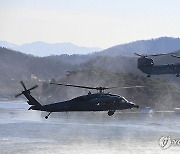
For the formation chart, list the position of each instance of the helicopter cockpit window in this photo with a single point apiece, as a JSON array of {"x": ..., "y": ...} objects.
[
  {"x": 123, "y": 100},
  {"x": 145, "y": 62},
  {"x": 149, "y": 62}
]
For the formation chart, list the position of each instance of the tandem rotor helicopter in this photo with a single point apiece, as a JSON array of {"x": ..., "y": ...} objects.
[
  {"x": 99, "y": 101},
  {"x": 146, "y": 65}
]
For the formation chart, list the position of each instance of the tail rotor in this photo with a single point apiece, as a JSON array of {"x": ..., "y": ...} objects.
[{"x": 25, "y": 89}]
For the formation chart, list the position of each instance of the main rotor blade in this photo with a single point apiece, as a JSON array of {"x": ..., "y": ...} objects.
[
  {"x": 109, "y": 87},
  {"x": 96, "y": 88},
  {"x": 70, "y": 85},
  {"x": 124, "y": 87},
  {"x": 34, "y": 87},
  {"x": 139, "y": 54},
  {"x": 161, "y": 54},
  {"x": 22, "y": 83},
  {"x": 131, "y": 87}
]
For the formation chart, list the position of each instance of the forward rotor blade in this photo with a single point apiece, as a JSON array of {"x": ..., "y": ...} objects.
[
  {"x": 70, "y": 85},
  {"x": 34, "y": 87},
  {"x": 18, "y": 95},
  {"x": 22, "y": 83}
]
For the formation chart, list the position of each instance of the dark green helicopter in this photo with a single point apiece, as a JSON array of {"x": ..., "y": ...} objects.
[
  {"x": 147, "y": 66},
  {"x": 99, "y": 101}
]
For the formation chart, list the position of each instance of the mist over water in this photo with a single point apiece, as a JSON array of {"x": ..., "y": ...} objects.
[{"x": 23, "y": 131}]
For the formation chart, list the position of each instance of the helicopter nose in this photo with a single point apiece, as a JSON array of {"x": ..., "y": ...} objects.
[{"x": 134, "y": 105}]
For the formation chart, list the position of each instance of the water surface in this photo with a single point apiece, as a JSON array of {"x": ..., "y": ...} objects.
[{"x": 23, "y": 131}]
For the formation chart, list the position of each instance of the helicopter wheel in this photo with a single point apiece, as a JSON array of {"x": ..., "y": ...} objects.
[
  {"x": 110, "y": 113},
  {"x": 46, "y": 117},
  {"x": 177, "y": 75}
]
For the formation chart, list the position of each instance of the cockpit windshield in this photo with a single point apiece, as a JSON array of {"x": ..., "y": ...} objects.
[
  {"x": 124, "y": 100},
  {"x": 113, "y": 95},
  {"x": 145, "y": 62}
]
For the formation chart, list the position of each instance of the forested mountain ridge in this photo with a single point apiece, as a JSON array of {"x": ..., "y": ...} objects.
[
  {"x": 153, "y": 46},
  {"x": 15, "y": 65}
]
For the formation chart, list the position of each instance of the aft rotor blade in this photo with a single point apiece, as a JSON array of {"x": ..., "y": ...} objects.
[
  {"x": 154, "y": 55},
  {"x": 70, "y": 85},
  {"x": 34, "y": 87},
  {"x": 18, "y": 95},
  {"x": 161, "y": 54},
  {"x": 22, "y": 83}
]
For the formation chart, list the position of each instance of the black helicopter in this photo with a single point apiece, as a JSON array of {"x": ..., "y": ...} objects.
[
  {"x": 146, "y": 65},
  {"x": 99, "y": 101}
]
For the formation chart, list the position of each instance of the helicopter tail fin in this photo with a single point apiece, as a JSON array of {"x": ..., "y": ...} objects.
[
  {"x": 31, "y": 100},
  {"x": 35, "y": 105}
]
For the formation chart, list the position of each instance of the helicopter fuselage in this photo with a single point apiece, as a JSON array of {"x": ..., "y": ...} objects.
[
  {"x": 90, "y": 102},
  {"x": 146, "y": 65}
]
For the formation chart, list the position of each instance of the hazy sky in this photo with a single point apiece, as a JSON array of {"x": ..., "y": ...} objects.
[{"x": 100, "y": 23}]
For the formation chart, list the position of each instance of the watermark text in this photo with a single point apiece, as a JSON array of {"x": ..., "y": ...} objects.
[{"x": 166, "y": 141}]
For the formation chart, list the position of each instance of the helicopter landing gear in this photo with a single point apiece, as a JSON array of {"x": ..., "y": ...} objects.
[
  {"x": 111, "y": 112},
  {"x": 48, "y": 115},
  {"x": 177, "y": 75},
  {"x": 148, "y": 76}
]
